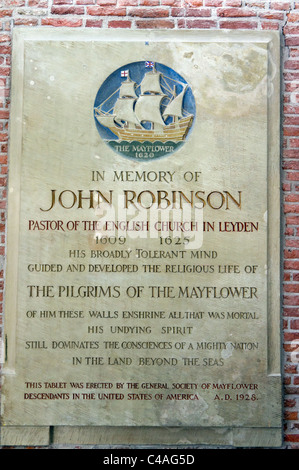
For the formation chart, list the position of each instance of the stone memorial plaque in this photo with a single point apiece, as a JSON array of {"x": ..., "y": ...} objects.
[{"x": 142, "y": 280}]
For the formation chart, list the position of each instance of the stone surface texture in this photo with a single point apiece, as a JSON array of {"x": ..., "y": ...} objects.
[{"x": 179, "y": 14}]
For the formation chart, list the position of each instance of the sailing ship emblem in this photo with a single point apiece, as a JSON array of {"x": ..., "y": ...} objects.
[{"x": 144, "y": 110}]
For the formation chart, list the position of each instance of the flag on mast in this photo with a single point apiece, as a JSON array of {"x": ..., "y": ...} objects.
[{"x": 124, "y": 73}]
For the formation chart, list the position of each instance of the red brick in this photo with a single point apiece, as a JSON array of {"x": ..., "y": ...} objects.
[
  {"x": 59, "y": 22},
  {"x": 291, "y": 109},
  {"x": 292, "y": 220},
  {"x": 193, "y": 3},
  {"x": 291, "y": 131},
  {"x": 25, "y": 21},
  {"x": 291, "y": 165},
  {"x": 177, "y": 12},
  {"x": 290, "y": 369},
  {"x": 291, "y": 76},
  {"x": 105, "y": 2},
  {"x": 13, "y": 3},
  {"x": 4, "y": 114},
  {"x": 235, "y": 12},
  {"x": 171, "y": 3},
  {"x": 292, "y": 198},
  {"x": 149, "y": 3},
  {"x": 238, "y": 24},
  {"x": 267, "y": 25},
  {"x": 291, "y": 300},
  {"x": 39, "y": 3},
  {"x": 289, "y": 348},
  {"x": 149, "y": 12},
  {"x": 291, "y": 264},
  {"x": 3, "y": 137},
  {"x": 181, "y": 23},
  {"x": 122, "y": 3},
  {"x": 292, "y": 41},
  {"x": 293, "y": 415},
  {"x": 4, "y": 13},
  {"x": 280, "y": 5},
  {"x": 289, "y": 403},
  {"x": 105, "y": 11},
  {"x": 119, "y": 24},
  {"x": 67, "y": 10},
  {"x": 4, "y": 38},
  {"x": 287, "y": 380},
  {"x": 5, "y": 49},
  {"x": 213, "y": 3},
  {"x": 154, "y": 24},
  {"x": 291, "y": 64},
  {"x": 270, "y": 15},
  {"x": 84, "y": 2},
  {"x": 291, "y": 288},
  {"x": 293, "y": 52},
  {"x": 202, "y": 24},
  {"x": 233, "y": 3},
  {"x": 291, "y": 120},
  {"x": 291, "y": 312},
  {"x": 255, "y": 3},
  {"x": 291, "y": 29},
  {"x": 290, "y": 209},
  {"x": 292, "y": 337},
  {"x": 293, "y": 16},
  {"x": 199, "y": 12},
  {"x": 94, "y": 23},
  {"x": 292, "y": 243}
]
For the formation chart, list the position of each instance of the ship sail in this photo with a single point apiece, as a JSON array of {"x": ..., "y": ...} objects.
[
  {"x": 148, "y": 109},
  {"x": 124, "y": 111},
  {"x": 127, "y": 89},
  {"x": 151, "y": 83},
  {"x": 106, "y": 120},
  {"x": 134, "y": 111},
  {"x": 174, "y": 108},
  {"x": 124, "y": 106},
  {"x": 148, "y": 104}
]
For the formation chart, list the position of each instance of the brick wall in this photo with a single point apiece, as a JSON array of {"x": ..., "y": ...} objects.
[{"x": 187, "y": 14}]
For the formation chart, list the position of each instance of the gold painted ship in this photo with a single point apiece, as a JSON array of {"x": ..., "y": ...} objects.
[{"x": 140, "y": 117}]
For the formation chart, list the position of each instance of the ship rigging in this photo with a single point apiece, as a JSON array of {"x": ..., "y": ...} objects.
[{"x": 149, "y": 111}]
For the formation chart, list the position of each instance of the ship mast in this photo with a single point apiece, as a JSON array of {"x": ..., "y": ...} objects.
[
  {"x": 124, "y": 106},
  {"x": 136, "y": 111},
  {"x": 147, "y": 107}
]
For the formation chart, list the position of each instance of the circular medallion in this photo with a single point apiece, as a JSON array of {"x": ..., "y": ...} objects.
[{"x": 144, "y": 111}]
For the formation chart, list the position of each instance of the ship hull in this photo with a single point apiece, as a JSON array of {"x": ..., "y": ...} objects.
[{"x": 171, "y": 132}]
